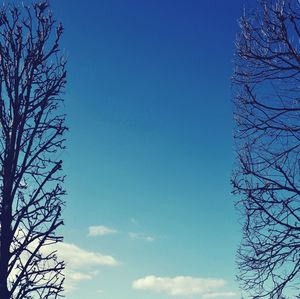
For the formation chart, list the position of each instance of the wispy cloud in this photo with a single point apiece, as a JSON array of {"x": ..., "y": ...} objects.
[
  {"x": 141, "y": 236},
  {"x": 100, "y": 291},
  {"x": 183, "y": 286},
  {"x": 100, "y": 230},
  {"x": 73, "y": 278},
  {"x": 134, "y": 221}
]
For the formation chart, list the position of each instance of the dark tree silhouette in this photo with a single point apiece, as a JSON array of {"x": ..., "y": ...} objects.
[
  {"x": 267, "y": 174},
  {"x": 32, "y": 79}
]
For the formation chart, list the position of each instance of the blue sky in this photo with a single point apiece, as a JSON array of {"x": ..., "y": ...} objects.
[{"x": 149, "y": 212}]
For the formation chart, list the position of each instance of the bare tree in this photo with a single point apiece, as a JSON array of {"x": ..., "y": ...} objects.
[
  {"x": 32, "y": 79},
  {"x": 267, "y": 174}
]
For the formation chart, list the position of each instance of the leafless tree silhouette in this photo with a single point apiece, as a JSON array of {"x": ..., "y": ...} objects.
[
  {"x": 267, "y": 175},
  {"x": 32, "y": 79}
]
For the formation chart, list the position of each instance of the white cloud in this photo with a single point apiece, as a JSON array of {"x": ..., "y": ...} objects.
[
  {"x": 183, "y": 286},
  {"x": 100, "y": 230},
  {"x": 77, "y": 276},
  {"x": 140, "y": 236},
  {"x": 81, "y": 264},
  {"x": 78, "y": 258}
]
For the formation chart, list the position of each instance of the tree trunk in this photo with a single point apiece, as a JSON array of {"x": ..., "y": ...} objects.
[
  {"x": 6, "y": 228},
  {"x": 4, "y": 254}
]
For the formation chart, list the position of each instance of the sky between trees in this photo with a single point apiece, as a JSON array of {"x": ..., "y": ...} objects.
[{"x": 150, "y": 148}]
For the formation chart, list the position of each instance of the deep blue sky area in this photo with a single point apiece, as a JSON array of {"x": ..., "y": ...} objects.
[{"x": 150, "y": 147}]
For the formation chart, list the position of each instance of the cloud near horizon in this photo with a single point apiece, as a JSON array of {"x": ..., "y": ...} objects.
[
  {"x": 100, "y": 230},
  {"x": 183, "y": 286},
  {"x": 78, "y": 258},
  {"x": 81, "y": 264}
]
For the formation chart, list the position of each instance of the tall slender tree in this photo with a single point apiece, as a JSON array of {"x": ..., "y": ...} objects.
[
  {"x": 32, "y": 79},
  {"x": 267, "y": 174}
]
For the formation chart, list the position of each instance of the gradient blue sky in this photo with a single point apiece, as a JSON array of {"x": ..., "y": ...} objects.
[{"x": 150, "y": 148}]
